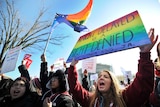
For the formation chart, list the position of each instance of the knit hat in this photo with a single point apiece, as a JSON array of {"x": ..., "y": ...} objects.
[
  {"x": 61, "y": 78},
  {"x": 60, "y": 74},
  {"x": 36, "y": 83}
]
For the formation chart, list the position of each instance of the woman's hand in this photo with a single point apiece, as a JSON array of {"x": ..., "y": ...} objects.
[
  {"x": 74, "y": 62},
  {"x": 24, "y": 62},
  {"x": 148, "y": 47},
  {"x": 43, "y": 58},
  {"x": 47, "y": 102}
]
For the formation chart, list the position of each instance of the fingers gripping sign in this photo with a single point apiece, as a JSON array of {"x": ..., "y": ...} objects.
[{"x": 153, "y": 39}]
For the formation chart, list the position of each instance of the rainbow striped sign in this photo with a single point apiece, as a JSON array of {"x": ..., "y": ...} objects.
[{"x": 124, "y": 33}]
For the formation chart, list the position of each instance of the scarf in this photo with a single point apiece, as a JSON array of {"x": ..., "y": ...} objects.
[{"x": 100, "y": 102}]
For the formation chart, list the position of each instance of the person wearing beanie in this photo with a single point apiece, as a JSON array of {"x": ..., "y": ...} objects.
[
  {"x": 36, "y": 91},
  {"x": 19, "y": 94},
  {"x": 46, "y": 75},
  {"x": 57, "y": 96},
  {"x": 35, "y": 86}
]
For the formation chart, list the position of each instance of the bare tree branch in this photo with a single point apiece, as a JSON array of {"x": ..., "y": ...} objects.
[{"x": 13, "y": 31}]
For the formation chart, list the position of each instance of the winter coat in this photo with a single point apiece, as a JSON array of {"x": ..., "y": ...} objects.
[
  {"x": 59, "y": 99},
  {"x": 85, "y": 83},
  {"x": 25, "y": 101},
  {"x": 34, "y": 95},
  {"x": 44, "y": 76},
  {"x": 135, "y": 95},
  {"x": 24, "y": 72},
  {"x": 154, "y": 99},
  {"x": 5, "y": 85}
]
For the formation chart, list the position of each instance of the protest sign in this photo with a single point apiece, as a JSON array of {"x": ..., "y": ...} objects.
[
  {"x": 59, "y": 64},
  {"x": 28, "y": 60},
  {"x": 89, "y": 64},
  {"x": 124, "y": 33},
  {"x": 10, "y": 61},
  {"x": 93, "y": 77}
]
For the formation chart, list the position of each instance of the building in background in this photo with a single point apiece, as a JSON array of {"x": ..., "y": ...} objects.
[{"x": 92, "y": 76}]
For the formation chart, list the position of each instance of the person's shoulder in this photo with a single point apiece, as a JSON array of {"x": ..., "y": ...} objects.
[
  {"x": 35, "y": 95},
  {"x": 5, "y": 99},
  {"x": 65, "y": 100},
  {"x": 47, "y": 93},
  {"x": 66, "y": 96}
]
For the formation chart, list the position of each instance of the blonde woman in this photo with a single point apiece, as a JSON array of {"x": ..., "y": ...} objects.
[{"x": 108, "y": 93}]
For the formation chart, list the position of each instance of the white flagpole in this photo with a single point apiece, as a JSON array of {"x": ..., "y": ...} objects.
[
  {"x": 52, "y": 27},
  {"x": 47, "y": 42}
]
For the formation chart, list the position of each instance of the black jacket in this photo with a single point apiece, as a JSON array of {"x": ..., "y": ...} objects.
[
  {"x": 59, "y": 99},
  {"x": 24, "y": 72},
  {"x": 25, "y": 101},
  {"x": 85, "y": 83},
  {"x": 44, "y": 76},
  {"x": 35, "y": 98}
]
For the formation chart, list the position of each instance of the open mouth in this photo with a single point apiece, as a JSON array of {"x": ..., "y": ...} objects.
[
  {"x": 101, "y": 84},
  {"x": 16, "y": 92}
]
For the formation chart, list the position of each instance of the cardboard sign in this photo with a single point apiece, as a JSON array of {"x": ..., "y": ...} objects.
[
  {"x": 94, "y": 77},
  {"x": 58, "y": 64},
  {"x": 89, "y": 64},
  {"x": 28, "y": 60},
  {"x": 10, "y": 61},
  {"x": 124, "y": 33}
]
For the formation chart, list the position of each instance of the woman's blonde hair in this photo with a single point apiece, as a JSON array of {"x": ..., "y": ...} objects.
[{"x": 114, "y": 94}]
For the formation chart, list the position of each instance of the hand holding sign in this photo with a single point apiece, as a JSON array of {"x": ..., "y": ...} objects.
[
  {"x": 148, "y": 47},
  {"x": 124, "y": 33},
  {"x": 74, "y": 62},
  {"x": 24, "y": 62}
]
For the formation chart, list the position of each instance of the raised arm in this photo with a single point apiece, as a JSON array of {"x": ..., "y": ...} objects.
[
  {"x": 23, "y": 70},
  {"x": 79, "y": 93},
  {"x": 139, "y": 91},
  {"x": 43, "y": 73}
]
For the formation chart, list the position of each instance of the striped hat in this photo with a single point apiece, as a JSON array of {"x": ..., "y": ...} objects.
[{"x": 36, "y": 83}]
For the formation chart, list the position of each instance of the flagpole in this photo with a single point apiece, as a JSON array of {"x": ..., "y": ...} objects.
[
  {"x": 52, "y": 27},
  {"x": 47, "y": 42}
]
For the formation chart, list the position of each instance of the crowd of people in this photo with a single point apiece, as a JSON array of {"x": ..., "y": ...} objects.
[{"x": 62, "y": 88}]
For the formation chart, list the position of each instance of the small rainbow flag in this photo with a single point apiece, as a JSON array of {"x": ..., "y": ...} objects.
[{"x": 74, "y": 20}]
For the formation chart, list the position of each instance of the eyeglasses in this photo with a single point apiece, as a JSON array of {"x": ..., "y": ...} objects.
[{"x": 17, "y": 84}]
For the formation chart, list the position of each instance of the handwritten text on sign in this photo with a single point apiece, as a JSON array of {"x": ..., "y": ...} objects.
[
  {"x": 124, "y": 33},
  {"x": 10, "y": 61}
]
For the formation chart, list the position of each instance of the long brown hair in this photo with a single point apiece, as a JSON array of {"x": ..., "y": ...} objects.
[{"x": 114, "y": 94}]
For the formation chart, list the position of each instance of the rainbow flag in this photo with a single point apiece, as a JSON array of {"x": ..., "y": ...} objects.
[
  {"x": 74, "y": 20},
  {"x": 81, "y": 16}
]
